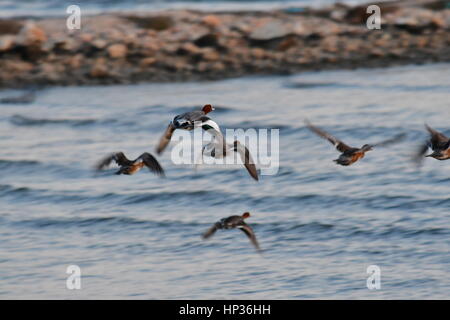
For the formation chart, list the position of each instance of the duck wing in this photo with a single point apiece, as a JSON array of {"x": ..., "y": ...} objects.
[
  {"x": 420, "y": 154},
  {"x": 340, "y": 146},
  {"x": 165, "y": 139},
  {"x": 247, "y": 159},
  {"x": 118, "y": 157},
  {"x": 397, "y": 138},
  {"x": 250, "y": 234},
  {"x": 438, "y": 140},
  {"x": 152, "y": 164},
  {"x": 210, "y": 232},
  {"x": 212, "y": 128}
]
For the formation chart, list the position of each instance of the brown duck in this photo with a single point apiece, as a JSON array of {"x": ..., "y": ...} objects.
[
  {"x": 130, "y": 167},
  {"x": 350, "y": 155},
  {"x": 233, "y": 222},
  {"x": 439, "y": 144}
]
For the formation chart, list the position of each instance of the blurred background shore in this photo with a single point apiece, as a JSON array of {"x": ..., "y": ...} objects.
[{"x": 186, "y": 44}]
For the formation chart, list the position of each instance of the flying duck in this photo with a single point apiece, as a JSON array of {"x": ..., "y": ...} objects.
[
  {"x": 231, "y": 223},
  {"x": 350, "y": 155},
  {"x": 185, "y": 121},
  {"x": 218, "y": 148},
  {"x": 130, "y": 167},
  {"x": 438, "y": 142}
]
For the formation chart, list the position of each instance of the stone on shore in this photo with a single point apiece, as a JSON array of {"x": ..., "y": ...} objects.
[
  {"x": 146, "y": 62},
  {"x": 271, "y": 30},
  {"x": 99, "y": 69},
  {"x": 157, "y": 23},
  {"x": 212, "y": 21},
  {"x": 7, "y": 42},
  {"x": 31, "y": 35},
  {"x": 9, "y": 26},
  {"x": 117, "y": 51}
]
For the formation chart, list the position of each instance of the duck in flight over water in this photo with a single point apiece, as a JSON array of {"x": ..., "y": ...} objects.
[
  {"x": 439, "y": 144},
  {"x": 130, "y": 167},
  {"x": 218, "y": 148},
  {"x": 185, "y": 121},
  {"x": 350, "y": 155},
  {"x": 233, "y": 222}
]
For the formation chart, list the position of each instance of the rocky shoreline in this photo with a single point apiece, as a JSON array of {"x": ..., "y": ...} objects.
[{"x": 185, "y": 45}]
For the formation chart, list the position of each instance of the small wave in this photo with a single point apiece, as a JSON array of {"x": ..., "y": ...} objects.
[
  {"x": 327, "y": 231},
  {"x": 394, "y": 231},
  {"x": 116, "y": 221},
  {"x": 444, "y": 88},
  {"x": 7, "y": 190},
  {"x": 150, "y": 110},
  {"x": 167, "y": 196},
  {"x": 205, "y": 197},
  {"x": 37, "y": 168},
  {"x": 26, "y": 194},
  {"x": 307, "y": 85},
  {"x": 313, "y": 85},
  {"x": 24, "y": 98},
  {"x": 285, "y": 227},
  {"x": 9, "y": 164},
  {"x": 19, "y": 120},
  {"x": 406, "y": 232},
  {"x": 310, "y": 201},
  {"x": 77, "y": 222}
]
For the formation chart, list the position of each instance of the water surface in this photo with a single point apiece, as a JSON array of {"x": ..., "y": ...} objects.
[{"x": 320, "y": 225}]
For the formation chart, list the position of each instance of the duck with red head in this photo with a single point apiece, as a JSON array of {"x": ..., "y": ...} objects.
[
  {"x": 207, "y": 108},
  {"x": 233, "y": 222},
  {"x": 185, "y": 121}
]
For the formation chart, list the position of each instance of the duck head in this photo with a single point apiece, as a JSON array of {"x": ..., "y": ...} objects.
[
  {"x": 246, "y": 215},
  {"x": 208, "y": 108},
  {"x": 367, "y": 147}
]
